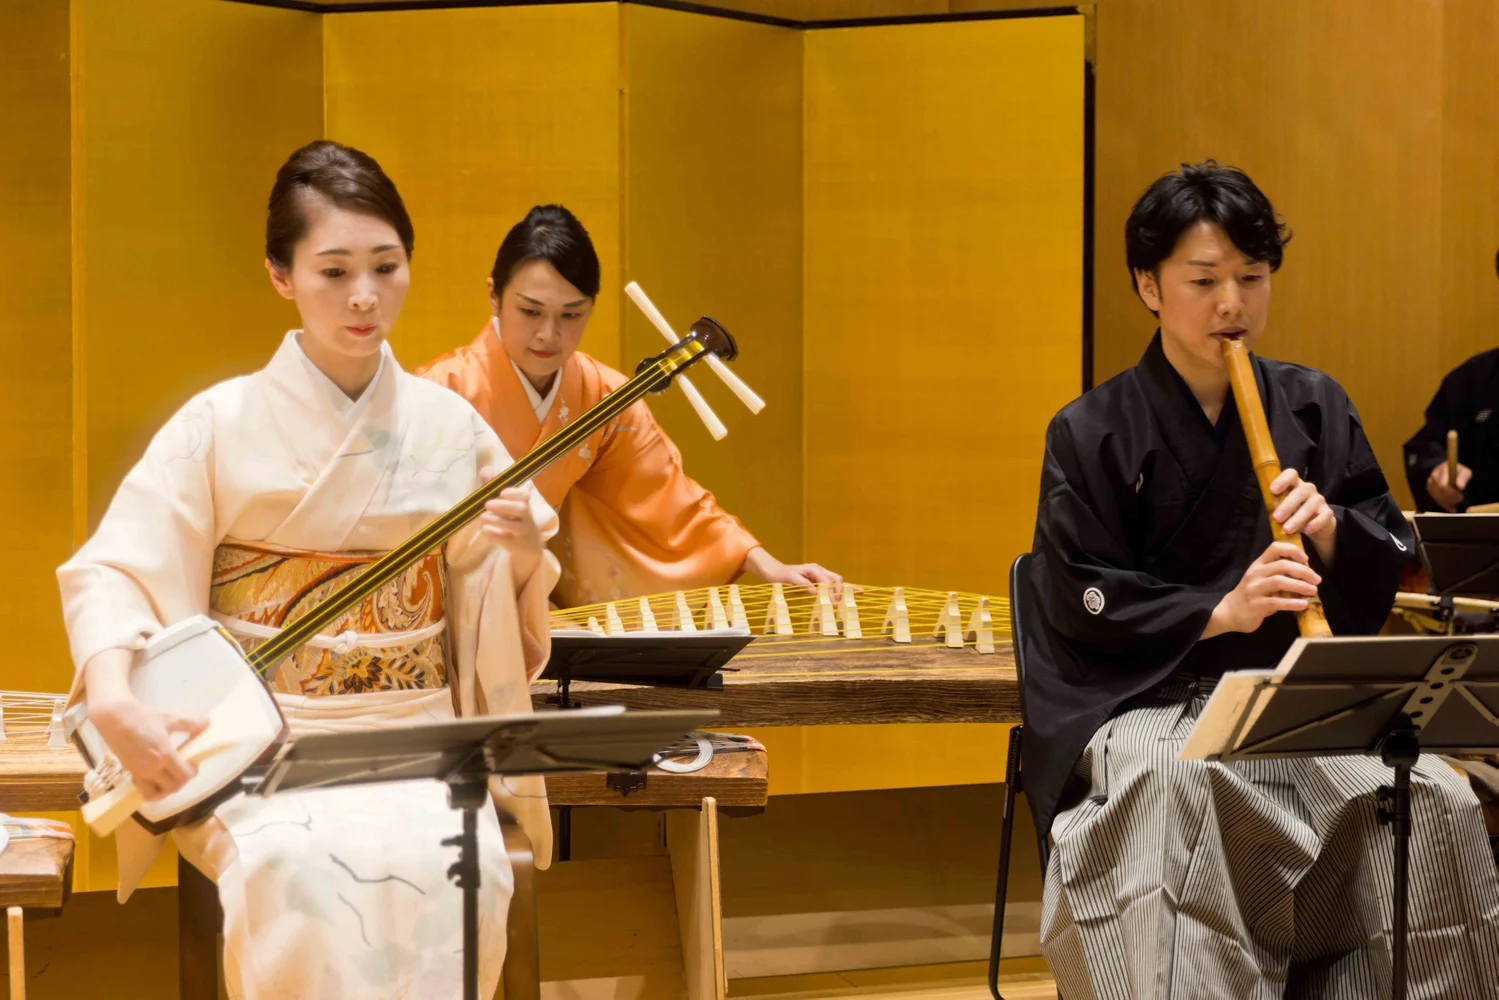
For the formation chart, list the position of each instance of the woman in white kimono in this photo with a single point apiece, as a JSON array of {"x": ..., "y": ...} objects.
[{"x": 255, "y": 501}]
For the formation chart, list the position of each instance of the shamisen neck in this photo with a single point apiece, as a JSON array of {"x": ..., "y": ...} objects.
[{"x": 652, "y": 376}]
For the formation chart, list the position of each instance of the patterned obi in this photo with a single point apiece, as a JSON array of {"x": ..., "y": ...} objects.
[{"x": 393, "y": 641}]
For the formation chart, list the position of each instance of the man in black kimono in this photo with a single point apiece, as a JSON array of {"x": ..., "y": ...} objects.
[
  {"x": 1153, "y": 573},
  {"x": 1466, "y": 402}
]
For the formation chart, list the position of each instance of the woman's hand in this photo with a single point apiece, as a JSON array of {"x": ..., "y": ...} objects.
[
  {"x": 1281, "y": 579},
  {"x": 805, "y": 575},
  {"x": 1305, "y": 511},
  {"x": 508, "y": 522},
  {"x": 141, "y": 737},
  {"x": 1448, "y": 495}
]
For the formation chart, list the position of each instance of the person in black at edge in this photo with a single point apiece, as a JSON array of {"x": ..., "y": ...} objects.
[
  {"x": 1465, "y": 403},
  {"x": 1154, "y": 572}
]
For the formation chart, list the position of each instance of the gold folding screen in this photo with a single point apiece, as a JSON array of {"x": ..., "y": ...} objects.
[
  {"x": 478, "y": 114},
  {"x": 943, "y": 308},
  {"x": 889, "y": 220},
  {"x": 36, "y": 424}
]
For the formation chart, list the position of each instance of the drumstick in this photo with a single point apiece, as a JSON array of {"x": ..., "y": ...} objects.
[
  {"x": 1452, "y": 459},
  {"x": 1311, "y": 621},
  {"x": 736, "y": 385}
]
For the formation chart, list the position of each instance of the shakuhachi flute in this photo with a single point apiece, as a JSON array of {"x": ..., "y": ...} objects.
[
  {"x": 1452, "y": 460},
  {"x": 1311, "y": 622}
]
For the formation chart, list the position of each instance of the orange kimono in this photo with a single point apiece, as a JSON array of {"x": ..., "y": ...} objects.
[{"x": 632, "y": 521}]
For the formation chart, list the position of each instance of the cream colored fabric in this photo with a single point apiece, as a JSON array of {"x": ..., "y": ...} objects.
[{"x": 269, "y": 457}]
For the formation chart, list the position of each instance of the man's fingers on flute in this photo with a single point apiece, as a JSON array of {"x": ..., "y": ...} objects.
[
  {"x": 1288, "y": 603},
  {"x": 1282, "y": 550},
  {"x": 1287, "y": 479},
  {"x": 1303, "y": 519},
  {"x": 1295, "y": 570},
  {"x": 1288, "y": 585},
  {"x": 1294, "y": 502}
]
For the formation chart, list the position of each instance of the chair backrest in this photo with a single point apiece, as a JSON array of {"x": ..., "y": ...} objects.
[{"x": 1020, "y": 599}]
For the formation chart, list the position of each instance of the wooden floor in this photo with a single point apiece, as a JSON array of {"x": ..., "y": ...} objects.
[{"x": 954, "y": 981}]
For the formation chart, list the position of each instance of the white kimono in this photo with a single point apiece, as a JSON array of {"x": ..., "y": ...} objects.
[{"x": 338, "y": 893}]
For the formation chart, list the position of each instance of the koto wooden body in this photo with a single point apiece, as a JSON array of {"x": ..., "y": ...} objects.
[
  {"x": 787, "y": 681},
  {"x": 1312, "y": 622}
]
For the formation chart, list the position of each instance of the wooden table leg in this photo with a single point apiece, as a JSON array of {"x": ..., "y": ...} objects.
[
  {"x": 692, "y": 842},
  {"x": 198, "y": 922},
  {"x": 521, "y": 976},
  {"x": 14, "y": 918}
]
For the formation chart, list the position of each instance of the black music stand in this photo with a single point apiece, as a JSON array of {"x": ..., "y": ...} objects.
[
  {"x": 463, "y": 754},
  {"x": 1460, "y": 553},
  {"x": 650, "y": 659},
  {"x": 1391, "y": 696}
]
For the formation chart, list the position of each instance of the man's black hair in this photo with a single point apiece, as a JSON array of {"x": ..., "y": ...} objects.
[{"x": 1206, "y": 192}]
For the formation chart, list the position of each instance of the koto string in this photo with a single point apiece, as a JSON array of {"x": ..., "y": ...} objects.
[{"x": 924, "y": 608}]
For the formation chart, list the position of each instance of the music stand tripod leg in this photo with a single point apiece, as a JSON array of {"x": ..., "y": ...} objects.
[
  {"x": 1400, "y": 750},
  {"x": 468, "y": 795}
]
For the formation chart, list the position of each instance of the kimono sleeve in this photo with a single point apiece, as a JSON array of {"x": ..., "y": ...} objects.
[
  {"x": 151, "y": 558},
  {"x": 1374, "y": 540},
  {"x": 1085, "y": 579},
  {"x": 1427, "y": 448},
  {"x": 641, "y": 494},
  {"x": 514, "y": 610}
]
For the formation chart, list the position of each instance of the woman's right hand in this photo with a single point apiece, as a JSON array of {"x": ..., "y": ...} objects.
[
  {"x": 141, "y": 738},
  {"x": 138, "y": 735}
]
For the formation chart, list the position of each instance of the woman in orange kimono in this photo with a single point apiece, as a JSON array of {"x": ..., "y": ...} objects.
[{"x": 633, "y": 522}]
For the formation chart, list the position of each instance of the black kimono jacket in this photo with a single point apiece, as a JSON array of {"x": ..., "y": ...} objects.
[
  {"x": 1467, "y": 402},
  {"x": 1144, "y": 524}
]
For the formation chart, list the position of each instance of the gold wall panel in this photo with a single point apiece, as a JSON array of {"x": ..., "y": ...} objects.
[
  {"x": 185, "y": 110},
  {"x": 713, "y": 196},
  {"x": 479, "y": 114},
  {"x": 1370, "y": 128},
  {"x": 1469, "y": 286},
  {"x": 36, "y": 422},
  {"x": 944, "y": 193}
]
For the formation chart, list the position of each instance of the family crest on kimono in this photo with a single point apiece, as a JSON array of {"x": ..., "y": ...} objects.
[
  {"x": 1154, "y": 572},
  {"x": 258, "y": 498}
]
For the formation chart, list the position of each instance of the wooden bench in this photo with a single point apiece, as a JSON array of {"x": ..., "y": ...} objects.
[{"x": 35, "y": 875}]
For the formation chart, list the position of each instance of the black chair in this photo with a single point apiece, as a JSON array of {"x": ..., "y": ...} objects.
[{"x": 1020, "y": 595}]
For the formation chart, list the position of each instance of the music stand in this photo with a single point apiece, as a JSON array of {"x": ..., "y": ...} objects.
[
  {"x": 463, "y": 754},
  {"x": 650, "y": 659},
  {"x": 1460, "y": 552},
  {"x": 1391, "y": 696}
]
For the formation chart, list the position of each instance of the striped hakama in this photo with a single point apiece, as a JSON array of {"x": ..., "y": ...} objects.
[{"x": 1175, "y": 879}]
